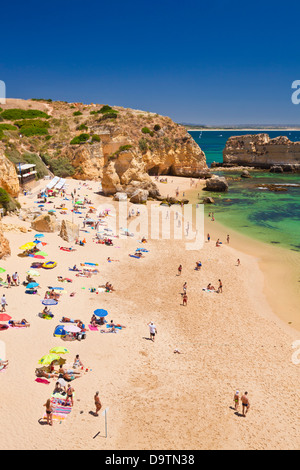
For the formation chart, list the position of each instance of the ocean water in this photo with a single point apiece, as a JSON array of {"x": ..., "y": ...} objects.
[{"x": 271, "y": 217}]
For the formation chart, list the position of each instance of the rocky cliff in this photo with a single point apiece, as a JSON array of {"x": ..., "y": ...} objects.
[
  {"x": 119, "y": 145},
  {"x": 4, "y": 245},
  {"x": 260, "y": 151},
  {"x": 8, "y": 175}
]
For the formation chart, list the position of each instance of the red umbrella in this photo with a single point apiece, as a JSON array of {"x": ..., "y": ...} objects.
[
  {"x": 39, "y": 257},
  {"x": 4, "y": 317}
]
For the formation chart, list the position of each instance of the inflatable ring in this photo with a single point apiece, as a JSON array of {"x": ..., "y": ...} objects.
[{"x": 49, "y": 265}]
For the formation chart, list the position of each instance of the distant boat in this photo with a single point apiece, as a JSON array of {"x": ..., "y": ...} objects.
[{"x": 200, "y": 135}]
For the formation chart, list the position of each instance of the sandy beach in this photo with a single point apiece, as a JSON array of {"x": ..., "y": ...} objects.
[{"x": 157, "y": 399}]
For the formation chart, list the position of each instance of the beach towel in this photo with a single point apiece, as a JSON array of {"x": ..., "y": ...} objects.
[
  {"x": 42, "y": 381},
  {"x": 93, "y": 328},
  {"x": 116, "y": 326},
  {"x": 208, "y": 290},
  {"x": 60, "y": 411},
  {"x": 133, "y": 256}
]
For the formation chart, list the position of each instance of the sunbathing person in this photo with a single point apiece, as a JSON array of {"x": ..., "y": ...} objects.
[
  {"x": 210, "y": 287},
  {"x": 3, "y": 365},
  {"x": 109, "y": 287},
  {"x": 21, "y": 323},
  {"x": 41, "y": 373}
]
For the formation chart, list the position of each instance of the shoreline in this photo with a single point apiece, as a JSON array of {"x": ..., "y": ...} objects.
[
  {"x": 246, "y": 129},
  {"x": 280, "y": 266}
]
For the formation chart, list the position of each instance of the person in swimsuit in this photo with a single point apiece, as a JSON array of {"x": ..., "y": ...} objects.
[
  {"x": 97, "y": 403},
  {"x": 179, "y": 270},
  {"x": 49, "y": 412},
  {"x": 220, "y": 289},
  {"x": 184, "y": 299},
  {"x": 236, "y": 400},
  {"x": 70, "y": 392},
  {"x": 245, "y": 403}
]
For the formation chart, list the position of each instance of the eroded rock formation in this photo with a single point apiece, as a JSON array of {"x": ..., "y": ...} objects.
[{"x": 260, "y": 151}]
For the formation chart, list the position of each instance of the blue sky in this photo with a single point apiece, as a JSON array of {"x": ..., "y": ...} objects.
[{"x": 224, "y": 62}]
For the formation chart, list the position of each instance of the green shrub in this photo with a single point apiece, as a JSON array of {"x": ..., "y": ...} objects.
[
  {"x": 29, "y": 127},
  {"x": 80, "y": 139},
  {"x": 77, "y": 113},
  {"x": 41, "y": 99},
  {"x": 124, "y": 147},
  {"x": 7, "y": 127},
  {"x": 143, "y": 146},
  {"x": 61, "y": 167},
  {"x": 7, "y": 202},
  {"x": 96, "y": 138},
  {"x": 157, "y": 127},
  {"x": 82, "y": 127},
  {"x": 108, "y": 116},
  {"x": 146, "y": 130},
  {"x": 12, "y": 114},
  {"x": 94, "y": 112},
  {"x": 107, "y": 109}
]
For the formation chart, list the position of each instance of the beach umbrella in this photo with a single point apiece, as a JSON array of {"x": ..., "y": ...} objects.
[
  {"x": 2, "y": 270},
  {"x": 4, "y": 317},
  {"x": 100, "y": 312},
  {"x": 55, "y": 288},
  {"x": 33, "y": 272},
  {"x": 27, "y": 246},
  {"x": 59, "y": 350},
  {"x": 49, "y": 302},
  {"x": 46, "y": 360},
  {"x": 39, "y": 235},
  {"x": 40, "y": 253},
  {"x": 32, "y": 285},
  {"x": 71, "y": 328},
  {"x": 39, "y": 257}
]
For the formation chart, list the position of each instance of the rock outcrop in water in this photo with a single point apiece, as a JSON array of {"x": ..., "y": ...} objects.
[{"x": 259, "y": 151}]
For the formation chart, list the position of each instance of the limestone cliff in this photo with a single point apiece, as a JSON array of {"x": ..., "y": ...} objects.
[
  {"x": 260, "y": 151},
  {"x": 120, "y": 145},
  {"x": 8, "y": 176},
  {"x": 4, "y": 245}
]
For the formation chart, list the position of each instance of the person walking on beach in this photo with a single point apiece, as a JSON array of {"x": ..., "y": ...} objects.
[
  {"x": 236, "y": 400},
  {"x": 3, "y": 303},
  {"x": 220, "y": 289},
  {"x": 208, "y": 237},
  {"x": 184, "y": 299},
  {"x": 179, "y": 270},
  {"x": 238, "y": 262},
  {"x": 245, "y": 403},
  {"x": 227, "y": 238},
  {"x": 97, "y": 403},
  {"x": 153, "y": 331},
  {"x": 49, "y": 411},
  {"x": 184, "y": 287}
]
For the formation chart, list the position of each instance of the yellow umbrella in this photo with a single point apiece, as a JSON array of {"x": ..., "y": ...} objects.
[
  {"x": 49, "y": 358},
  {"x": 27, "y": 246},
  {"x": 59, "y": 350}
]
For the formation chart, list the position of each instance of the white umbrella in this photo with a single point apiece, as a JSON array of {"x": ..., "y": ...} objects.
[{"x": 71, "y": 328}]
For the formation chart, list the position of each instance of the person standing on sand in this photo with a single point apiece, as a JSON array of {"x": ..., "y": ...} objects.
[
  {"x": 49, "y": 411},
  {"x": 227, "y": 238},
  {"x": 236, "y": 400},
  {"x": 208, "y": 237},
  {"x": 245, "y": 403},
  {"x": 97, "y": 403},
  {"x": 179, "y": 270},
  {"x": 238, "y": 262},
  {"x": 3, "y": 303},
  {"x": 184, "y": 299},
  {"x": 153, "y": 331},
  {"x": 184, "y": 287},
  {"x": 220, "y": 289}
]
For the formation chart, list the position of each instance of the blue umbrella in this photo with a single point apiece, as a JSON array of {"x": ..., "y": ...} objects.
[
  {"x": 39, "y": 235},
  {"x": 32, "y": 285},
  {"x": 100, "y": 312},
  {"x": 49, "y": 302},
  {"x": 56, "y": 288}
]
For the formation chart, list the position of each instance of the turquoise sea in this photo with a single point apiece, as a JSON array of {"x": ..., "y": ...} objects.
[{"x": 271, "y": 217}]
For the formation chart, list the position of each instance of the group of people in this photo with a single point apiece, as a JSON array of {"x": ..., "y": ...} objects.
[{"x": 12, "y": 280}]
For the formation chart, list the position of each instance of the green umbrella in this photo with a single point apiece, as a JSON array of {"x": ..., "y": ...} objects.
[
  {"x": 2, "y": 270},
  {"x": 40, "y": 253}
]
